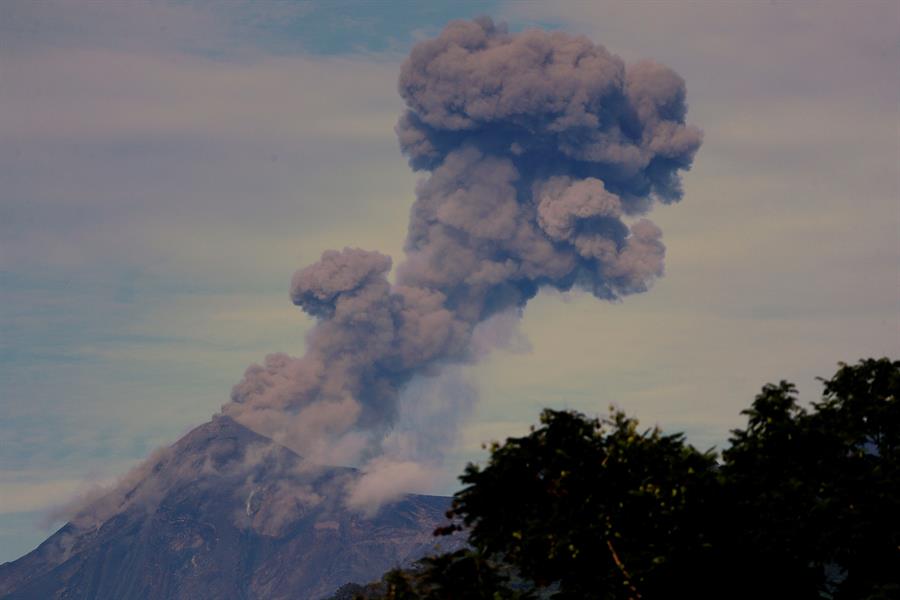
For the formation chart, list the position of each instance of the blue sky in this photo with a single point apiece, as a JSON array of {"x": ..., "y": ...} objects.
[{"x": 167, "y": 167}]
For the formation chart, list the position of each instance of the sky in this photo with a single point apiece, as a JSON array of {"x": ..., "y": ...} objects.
[{"x": 167, "y": 166}]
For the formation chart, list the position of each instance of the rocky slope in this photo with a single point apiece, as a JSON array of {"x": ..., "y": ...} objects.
[{"x": 223, "y": 513}]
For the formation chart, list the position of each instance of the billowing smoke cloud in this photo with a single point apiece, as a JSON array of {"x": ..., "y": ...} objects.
[{"x": 543, "y": 150}]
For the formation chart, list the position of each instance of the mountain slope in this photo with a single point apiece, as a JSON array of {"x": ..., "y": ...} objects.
[{"x": 223, "y": 513}]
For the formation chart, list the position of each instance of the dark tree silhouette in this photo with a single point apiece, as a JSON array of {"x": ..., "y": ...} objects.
[
  {"x": 804, "y": 503},
  {"x": 814, "y": 495}
]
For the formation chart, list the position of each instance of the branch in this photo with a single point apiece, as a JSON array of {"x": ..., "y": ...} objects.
[{"x": 618, "y": 561}]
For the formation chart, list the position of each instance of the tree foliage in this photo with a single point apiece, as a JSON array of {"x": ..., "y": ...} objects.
[
  {"x": 804, "y": 503},
  {"x": 814, "y": 495}
]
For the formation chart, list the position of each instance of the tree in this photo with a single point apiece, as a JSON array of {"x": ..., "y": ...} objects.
[
  {"x": 596, "y": 507},
  {"x": 814, "y": 496},
  {"x": 804, "y": 503}
]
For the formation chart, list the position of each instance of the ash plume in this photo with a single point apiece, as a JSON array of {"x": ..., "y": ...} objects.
[{"x": 542, "y": 150}]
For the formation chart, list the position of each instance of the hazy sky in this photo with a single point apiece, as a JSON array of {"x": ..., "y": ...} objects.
[{"x": 166, "y": 167}]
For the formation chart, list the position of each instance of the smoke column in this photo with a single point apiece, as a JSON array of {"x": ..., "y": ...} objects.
[{"x": 543, "y": 151}]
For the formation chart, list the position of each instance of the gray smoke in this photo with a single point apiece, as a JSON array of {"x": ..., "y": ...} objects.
[{"x": 543, "y": 151}]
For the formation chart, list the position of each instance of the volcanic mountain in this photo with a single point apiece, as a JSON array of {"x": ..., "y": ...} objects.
[{"x": 223, "y": 513}]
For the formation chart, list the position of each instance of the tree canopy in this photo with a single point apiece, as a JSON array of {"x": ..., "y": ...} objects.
[{"x": 804, "y": 503}]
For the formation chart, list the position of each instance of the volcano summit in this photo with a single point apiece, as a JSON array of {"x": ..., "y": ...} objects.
[{"x": 223, "y": 513}]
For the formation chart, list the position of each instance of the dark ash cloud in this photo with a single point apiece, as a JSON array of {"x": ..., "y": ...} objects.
[{"x": 543, "y": 151}]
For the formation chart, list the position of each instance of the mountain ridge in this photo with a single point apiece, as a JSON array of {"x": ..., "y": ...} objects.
[{"x": 227, "y": 513}]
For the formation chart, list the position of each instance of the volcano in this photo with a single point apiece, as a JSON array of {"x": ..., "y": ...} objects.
[{"x": 224, "y": 513}]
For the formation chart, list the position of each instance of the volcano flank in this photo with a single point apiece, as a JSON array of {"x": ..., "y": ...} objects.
[{"x": 223, "y": 513}]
